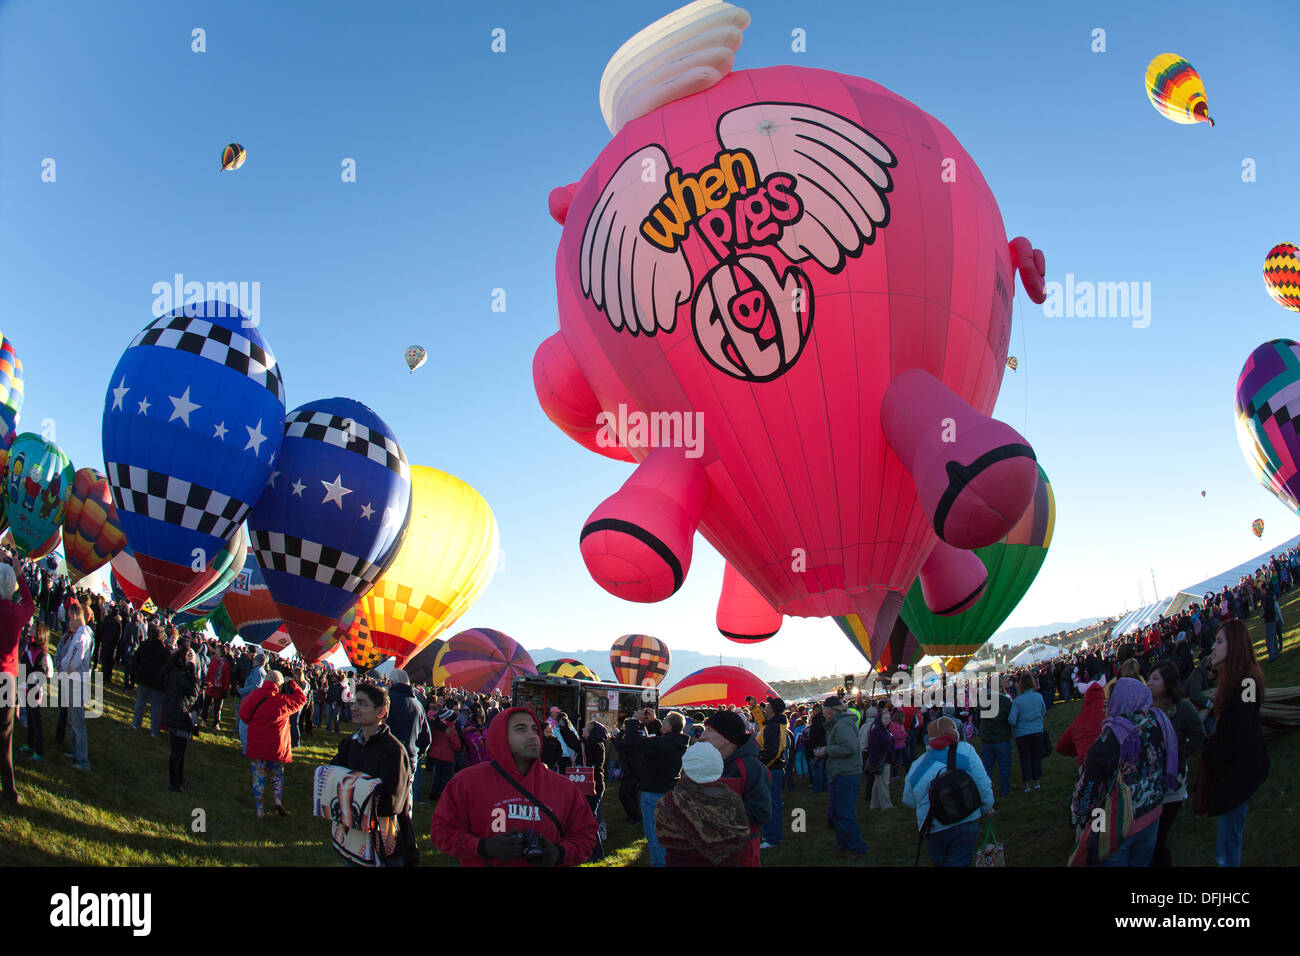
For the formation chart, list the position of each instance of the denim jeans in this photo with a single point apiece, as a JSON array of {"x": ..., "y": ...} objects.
[
  {"x": 844, "y": 808},
  {"x": 77, "y": 721},
  {"x": 154, "y": 700},
  {"x": 417, "y": 779},
  {"x": 442, "y": 771},
  {"x": 817, "y": 772},
  {"x": 335, "y": 710},
  {"x": 1273, "y": 638},
  {"x": 954, "y": 846},
  {"x": 1137, "y": 850},
  {"x": 772, "y": 829},
  {"x": 648, "y": 802},
  {"x": 999, "y": 754},
  {"x": 1232, "y": 826},
  {"x": 318, "y": 713}
]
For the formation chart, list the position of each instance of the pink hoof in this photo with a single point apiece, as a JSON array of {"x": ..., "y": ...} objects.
[
  {"x": 952, "y": 580},
  {"x": 637, "y": 545},
  {"x": 744, "y": 615},
  {"x": 974, "y": 475}
]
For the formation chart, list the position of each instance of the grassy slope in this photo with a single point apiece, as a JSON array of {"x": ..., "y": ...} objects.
[{"x": 121, "y": 813}]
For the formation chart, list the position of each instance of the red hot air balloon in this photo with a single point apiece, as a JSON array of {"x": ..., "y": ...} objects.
[
  {"x": 795, "y": 326},
  {"x": 129, "y": 578},
  {"x": 716, "y": 686}
]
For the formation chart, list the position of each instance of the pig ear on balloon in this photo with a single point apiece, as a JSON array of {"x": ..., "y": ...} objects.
[
  {"x": 559, "y": 201},
  {"x": 569, "y": 402},
  {"x": 1032, "y": 266}
]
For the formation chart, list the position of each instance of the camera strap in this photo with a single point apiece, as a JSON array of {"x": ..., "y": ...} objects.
[{"x": 522, "y": 789}]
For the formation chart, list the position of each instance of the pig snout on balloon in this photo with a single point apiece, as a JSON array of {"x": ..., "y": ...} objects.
[
  {"x": 637, "y": 544},
  {"x": 974, "y": 475},
  {"x": 952, "y": 580}
]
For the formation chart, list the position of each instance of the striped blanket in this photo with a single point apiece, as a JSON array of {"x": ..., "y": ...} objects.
[{"x": 348, "y": 799}]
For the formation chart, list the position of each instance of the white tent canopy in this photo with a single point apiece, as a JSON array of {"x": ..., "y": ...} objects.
[{"x": 1034, "y": 654}]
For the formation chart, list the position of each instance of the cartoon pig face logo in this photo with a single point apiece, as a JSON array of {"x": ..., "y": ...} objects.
[{"x": 791, "y": 183}]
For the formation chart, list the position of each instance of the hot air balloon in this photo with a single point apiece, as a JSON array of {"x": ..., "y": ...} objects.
[
  {"x": 1257, "y": 526},
  {"x": 233, "y": 156},
  {"x": 446, "y": 561},
  {"x": 1202, "y": 494},
  {"x": 900, "y": 651},
  {"x": 37, "y": 486},
  {"x": 332, "y": 519},
  {"x": 92, "y": 533},
  {"x": 1267, "y": 406},
  {"x": 420, "y": 667},
  {"x": 198, "y": 612},
  {"x": 640, "y": 659},
  {"x": 128, "y": 578},
  {"x": 4, "y": 478},
  {"x": 566, "y": 667},
  {"x": 1176, "y": 90},
  {"x": 41, "y": 550},
  {"x": 221, "y": 573},
  {"x": 1012, "y": 564},
  {"x": 744, "y": 616},
  {"x": 772, "y": 285},
  {"x": 353, "y": 632},
  {"x": 249, "y": 604},
  {"x": 481, "y": 661},
  {"x": 415, "y": 357},
  {"x": 193, "y": 421},
  {"x": 1282, "y": 276},
  {"x": 11, "y": 390},
  {"x": 716, "y": 686},
  {"x": 1013, "y": 363}
]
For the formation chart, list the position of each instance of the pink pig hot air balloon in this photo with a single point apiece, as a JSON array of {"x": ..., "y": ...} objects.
[{"x": 776, "y": 303}]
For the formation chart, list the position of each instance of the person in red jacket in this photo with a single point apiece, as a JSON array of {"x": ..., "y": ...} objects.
[
  {"x": 1085, "y": 728},
  {"x": 486, "y": 819},
  {"x": 16, "y": 609},
  {"x": 266, "y": 711},
  {"x": 216, "y": 686},
  {"x": 443, "y": 749}
]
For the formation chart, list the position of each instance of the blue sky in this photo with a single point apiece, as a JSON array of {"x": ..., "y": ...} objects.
[{"x": 456, "y": 149}]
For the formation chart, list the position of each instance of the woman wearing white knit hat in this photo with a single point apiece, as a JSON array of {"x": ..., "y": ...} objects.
[{"x": 702, "y": 821}]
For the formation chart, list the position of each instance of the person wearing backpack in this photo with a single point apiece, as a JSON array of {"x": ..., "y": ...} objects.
[{"x": 951, "y": 790}]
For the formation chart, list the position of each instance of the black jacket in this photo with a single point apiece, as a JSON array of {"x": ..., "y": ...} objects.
[
  {"x": 660, "y": 760},
  {"x": 773, "y": 743},
  {"x": 180, "y": 697},
  {"x": 816, "y": 734},
  {"x": 383, "y": 756},
  {"x": 149, "y": 663},
  {"x": 1235, "y": 755},
  {"x": 408, "y": 723}
]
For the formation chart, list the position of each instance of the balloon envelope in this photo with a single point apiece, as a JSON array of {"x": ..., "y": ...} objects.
[
  {"x": 1257, "y": 526},
  {"x": 1267, "y": 408},
  {"x": 353, "y": 632},
  {"x": 445, "y": 563},
  {"x": 249, "y": 605},
  {"x": 1282, "y": 276},
  {"x": 128, "y": 578},
  {"x": 233, "y": 156},
  {"x": 37, "y": 485},
  {"x": 640, "y": 659},
  {"x": 566, "y": 667},
  {"x": 716, "y": 686},
  {"x": 193, "y": 420},
  {"x": 420, "y": 667},
  {"x": 482, "y": 660},
  {"x": 11, "y": 389},
  {"x": 92, "y": 533},
  {"x": 415, "y": 357},
  {"x": 1176, "y": 91}
]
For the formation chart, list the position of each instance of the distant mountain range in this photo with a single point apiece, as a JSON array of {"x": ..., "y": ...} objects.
[
  {"x": 1018, "y": 635},
  {"x": 684, "y": 663}
]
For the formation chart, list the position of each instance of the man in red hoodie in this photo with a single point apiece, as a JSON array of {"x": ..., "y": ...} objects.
[{"x": 512, "y": 810}]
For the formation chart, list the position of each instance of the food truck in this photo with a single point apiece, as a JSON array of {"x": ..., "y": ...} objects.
[{"x": 583, "y": 700}]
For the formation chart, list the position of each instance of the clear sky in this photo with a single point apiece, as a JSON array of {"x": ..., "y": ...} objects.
[{"x": 456, "y": 148}]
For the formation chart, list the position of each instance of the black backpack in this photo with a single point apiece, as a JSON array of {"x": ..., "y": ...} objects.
[{"x": 953, "y": 797}]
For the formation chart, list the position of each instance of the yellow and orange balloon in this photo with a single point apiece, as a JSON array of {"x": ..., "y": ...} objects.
[
  {"x": 92, "y": 534},
  {"x": 1176, "y": 90}
]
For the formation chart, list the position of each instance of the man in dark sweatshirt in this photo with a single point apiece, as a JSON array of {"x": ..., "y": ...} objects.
[
  {"x": 772, "y": 752},
  {"x": 660, "y": 766},
  {"x": 743, "y": 773}
]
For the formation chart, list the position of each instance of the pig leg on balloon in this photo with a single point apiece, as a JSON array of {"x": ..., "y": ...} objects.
[
  {"x": 637, "y": 544},
  {"x": 952, "y": 580},
  {"x": 743, "y": 614},
  {"x": 568, "y": 400},
  {"x": 974, "y": 475}
]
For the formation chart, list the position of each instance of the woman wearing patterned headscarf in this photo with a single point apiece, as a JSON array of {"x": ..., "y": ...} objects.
[{"x": 1138, "y": 745}]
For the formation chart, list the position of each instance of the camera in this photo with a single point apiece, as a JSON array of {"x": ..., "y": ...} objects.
[{"x": 532, "y": 846}]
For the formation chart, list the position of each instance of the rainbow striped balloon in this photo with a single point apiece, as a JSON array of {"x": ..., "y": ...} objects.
[
  {"x": 92, "y": 533},
  {"x": 11, "y": 390},
  {"x": 482, "y": 660},
  {"x": 1268, "y": 411},
  {"x": 1282, "y": 275},
  {"x": 1176, "y": 90}
]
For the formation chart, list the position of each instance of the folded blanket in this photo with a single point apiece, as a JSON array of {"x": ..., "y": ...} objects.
[{"x": 348, "y": 798}]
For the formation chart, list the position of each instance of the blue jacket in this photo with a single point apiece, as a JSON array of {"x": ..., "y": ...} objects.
[
  {"x": 1027, "y": 713},
  {"x": 916, "y": 791}
]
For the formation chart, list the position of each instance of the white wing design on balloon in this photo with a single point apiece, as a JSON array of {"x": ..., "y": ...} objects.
[
  {"x": 841, "y": 173},
  {"x": 633, "y": 281}
]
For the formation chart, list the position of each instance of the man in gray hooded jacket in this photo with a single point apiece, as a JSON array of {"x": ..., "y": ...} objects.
[{"x": 843, "y": 753}]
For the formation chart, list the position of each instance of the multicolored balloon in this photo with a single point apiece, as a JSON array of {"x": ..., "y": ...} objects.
[
  {"x": 219, "y": 575},
  {"x": 1267, "y": 408},
  {"x": 566, "y": 667},
  {"x": 41, "y": 550},
  {"x": 1012, "y": 564},
  {"x": 901, "y": 651},
  {"x": 1013, "y": 363},
  {"x": 445, "y": 563},
  {"x": 4, "y": 465},
  {"x": 640, "y": 659},
  {"x": 249, "y": 605},
  {"x": 128, "y": 579},
  {"x": 37, "y": 485},
  {"x": 771, "y": 283},
  {"x": 1176, "y": 91},
  {"x": 481, "y": 661},
  {"x": 233, "y": 156},
  {"x": 1282, "y": 275},
  {"x": 415, "y": 357},
  {"x": 92, "y": 533},
  {"x": 717, "y": 686},
  {"x": 420, "y": 667},
  {"x": 332, "y": 518},
  {"x": 353, "y": 632},
  {"x": 1257, "y": 526},
  {"x": 193, "y": 422},
  {"x": 11, "y": 390}
]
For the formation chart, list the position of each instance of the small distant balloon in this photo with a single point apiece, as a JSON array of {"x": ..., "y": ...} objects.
[
  {"x": 1202, "y": 494},
  {"x": 1257, "y": 526},
  {"x": 233, "y": 156},
  {"x": 1176, "y": 90},
  {"x": 1013, "y": 363},
  {"x": 1282, "y": 275},
  {"x": 415, "y": 357}
]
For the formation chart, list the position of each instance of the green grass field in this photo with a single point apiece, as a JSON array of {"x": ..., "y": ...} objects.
[{"x": 121, "y": 813}]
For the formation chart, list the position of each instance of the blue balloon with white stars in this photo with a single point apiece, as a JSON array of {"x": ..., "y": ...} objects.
[
  {"x": 333, "y": 516},
  {"x": 193, "y": 424}
]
